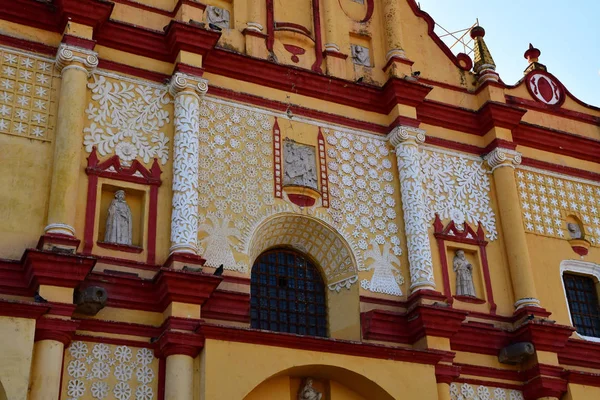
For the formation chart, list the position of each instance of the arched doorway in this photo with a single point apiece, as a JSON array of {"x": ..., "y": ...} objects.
[{"x": 288, "y": 294}]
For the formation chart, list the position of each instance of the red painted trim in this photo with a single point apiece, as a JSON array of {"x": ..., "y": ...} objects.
[
  {"x": 55, "y": 269},
  {"x": 144, "y": 7},
  {"x": 227, "y": 306},
  {"x": 90, "y": 210},
  {"x": 336, "y": 54},
  {"x": 184, "y": 287},
  {"x": 237, "y": 280},
  {"x": 292, "y": 27},
  {"x": 445, "y": 373},
  {"x": 318, "y": 37},
  {"x": 129, "y": 70},
  {"x": 120, "y": 247},
  {"x": 551, "y": 110},
  {"x": 401, "y": 60},
  {"x": 28, "y": 45},
  {"x": 162, "y": 368},
  {"x": 180, "y": 343},
  {"x": 487, "y": 278},
  {"x": 323, "y": 175},
  {"x": 127, "y": 263},
  {"x": 250, "y": 32},
  {"x": 270, "y": 26},
  {"x": 545, "y": 336},
  {"x": 404, "y": 121},
  {"x": 488, "y": 372},
  {"x": 277, "y": 161},
  {"x": 581, "y": 353},
  {"x": 57, "y": 239},
  {"x": 478, "y": 382},
  {"x": 61, "y": 309},
  {"x": 115, "y": 341},
  {"x": 79, "y": 42},
  {"x": 383, "y": 302},
  {"x": 583, "y": 378},
  {"x": 119, "y": 328},
  {"x": 57, "y": 329},
  {"x": 180, "y": 324},
  {"x": 449, "y": 144},
  {"x": 152, "y": 220},
  {"x": 468, "y": 299},
  {"x": 561, "y": 169},
  {"x": 22, "y": 309},
  {"x": 558, "y": 142},
  {"x": 323, "y": 345}
]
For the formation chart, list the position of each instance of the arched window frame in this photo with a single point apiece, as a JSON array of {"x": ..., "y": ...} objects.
[
  {"x": 319, "y": 272},
  {"x": 584, "y": 268}
]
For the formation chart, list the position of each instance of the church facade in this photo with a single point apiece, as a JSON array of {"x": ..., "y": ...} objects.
[{"x": 290, "y": 199}]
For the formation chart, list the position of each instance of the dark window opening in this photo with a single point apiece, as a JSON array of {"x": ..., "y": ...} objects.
[
  {"x": 583, "y": 304},
  {"x": 287, "y": 294}
]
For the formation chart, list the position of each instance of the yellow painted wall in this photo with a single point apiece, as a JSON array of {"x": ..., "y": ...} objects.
[
  {"x": 16, "y": 349},
  {"x": 581, "y": 392}
]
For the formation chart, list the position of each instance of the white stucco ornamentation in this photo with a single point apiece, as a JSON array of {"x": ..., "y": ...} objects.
[
  {"x": 387, "y": 277},
  {"x": 102, "y": 371},
  {"x": 465, "y": 391},
  {"x": 414, "y": 200},
  {"x": 184, "y": 215},
  {"x": 235, "y": 178},
  {"x": 27, "y": 95},
  {"x": 548, "y": 199},
  {"x": 127, "y": 118},
  {"x": 457, "y": 188}
]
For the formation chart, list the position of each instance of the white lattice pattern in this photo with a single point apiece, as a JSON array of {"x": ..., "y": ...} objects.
[
  {"x": 101, "y": 371},
  {"x": 127, "y": 118},
  {"x": 465, "y": 391},
  {"x": 26, "y": 95},
  {"x": 235, "y": 179},
  {"x": 547, "y": 200}
]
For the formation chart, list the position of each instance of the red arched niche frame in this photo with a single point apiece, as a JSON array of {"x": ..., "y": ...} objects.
[
  {"x": 136, "y": 173},
  {"x": 466, "y": 235}
]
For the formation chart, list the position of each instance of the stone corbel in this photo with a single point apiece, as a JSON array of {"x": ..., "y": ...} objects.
[
  {"x": 500, "y": 157},
  {"x": 71, "y": 57}
]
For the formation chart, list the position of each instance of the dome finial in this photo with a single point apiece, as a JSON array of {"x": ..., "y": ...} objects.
[{"x": 484, "y": 65}]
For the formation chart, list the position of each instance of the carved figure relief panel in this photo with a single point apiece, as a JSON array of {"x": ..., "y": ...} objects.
[
  {"x": 300, "y": 165},
  {"x": 219, "y": 17},
  {"x": 27, "y": 95},
  {"x": 104, "y": 371},
  {"x": 548, "y": 200},
  {"x": 129, "y": 118}
]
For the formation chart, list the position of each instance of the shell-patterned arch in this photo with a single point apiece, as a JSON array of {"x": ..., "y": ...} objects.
[{"x": 313, "y": 237}]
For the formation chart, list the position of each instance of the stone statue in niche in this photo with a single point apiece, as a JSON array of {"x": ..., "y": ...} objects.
[
  {"x": 307, "y": 392},
  {"x": 118, "y": 221},
  {"x": 574, "y": 230},
  {"x": 300, "y": 166},
  {"x": 464, "y": 275},
  {"x": 217, "y": 16},
  {"x": 360, "y": 55}
]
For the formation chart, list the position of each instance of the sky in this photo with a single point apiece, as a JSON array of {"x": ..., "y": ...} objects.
[{"x": 566, "y": 32}]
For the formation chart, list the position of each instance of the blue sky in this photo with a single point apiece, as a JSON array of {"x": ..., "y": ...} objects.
[{"x": 567, "y": 33}]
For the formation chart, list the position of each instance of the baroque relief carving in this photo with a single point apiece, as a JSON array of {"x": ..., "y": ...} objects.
[
  {"x": 465, "y": 391},
  {"x": 548, "y": 199},
  {"x": 109, "y": 371},
  {"x": 300, "y": 165},
  {"x": 127, "y": 119},
  {"x": 387, "y": 277},
  {"x": 27, "y": 91}
]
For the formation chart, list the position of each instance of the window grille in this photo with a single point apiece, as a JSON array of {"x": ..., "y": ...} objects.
[{"x": 583, "y": 304}]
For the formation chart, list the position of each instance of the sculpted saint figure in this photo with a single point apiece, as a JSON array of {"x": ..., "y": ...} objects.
[
  {"x": 464, "y": 275},
  {"x": 307, "y": 392},
  {"x": 118, "y": 221},
  {"x": 217, "y": 16},
  {"x": 300, "y": 165},
  {"x": 360, "y": 55},
  {"x": 574, "y": 230}
]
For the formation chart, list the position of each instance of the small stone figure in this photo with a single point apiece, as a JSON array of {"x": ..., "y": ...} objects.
[
  {"x": 574, "y": 230},
  {"x": 360, "y": 55},
  {"x": 300, "y": 167},
  {"x": 217, "y": 16},
  {"x": 464, "y": 275},
  {"x": 118, "y": 221},
  {"x": 307, "y": 392}
]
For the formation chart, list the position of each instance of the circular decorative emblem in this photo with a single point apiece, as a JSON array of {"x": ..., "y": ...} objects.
[
  {"x": 358, "y": 10},
  {"x": 545, "y": 88}
]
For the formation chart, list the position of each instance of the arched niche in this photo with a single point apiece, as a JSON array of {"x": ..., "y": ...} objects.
[
  {"x": 333, "y": 382},
  {"x": 330, "y": 252}
]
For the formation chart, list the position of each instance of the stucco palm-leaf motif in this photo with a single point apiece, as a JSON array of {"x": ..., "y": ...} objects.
[
  {"x": 387, "y": 277},
  {"x": 218, "y": 243},
  {"x": 127, "y": 119}
]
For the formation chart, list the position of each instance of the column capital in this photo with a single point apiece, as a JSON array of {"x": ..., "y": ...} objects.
[
  {"x": 56, "y": 329},
  {"x": 500, "y": 157},
  {"x": 402, "y": 134},
  {"x": 181, "y": 83},
  {"x": 69, "y": 56},
  {"x": 179, "y": 343}
]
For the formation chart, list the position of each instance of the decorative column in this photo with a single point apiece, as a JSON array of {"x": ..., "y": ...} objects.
[
  {"x": 406, "y": 141},
  {"x": 180, "y": 349},
  {"x": 503, "y": 162},
  {"x": 393, "y": 29},
  {"x": 335, "y": 38},
  {"x": 256, "y": 45},
  {"x": 187, "y": 91},
  {"x": 51, "y": 337},
  {"x": 75, "y": 65}
]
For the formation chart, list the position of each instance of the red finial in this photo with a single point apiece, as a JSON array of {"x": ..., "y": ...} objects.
[
  {"x": 532, "y": 54},
  {"x": 477, "y": 31}
]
